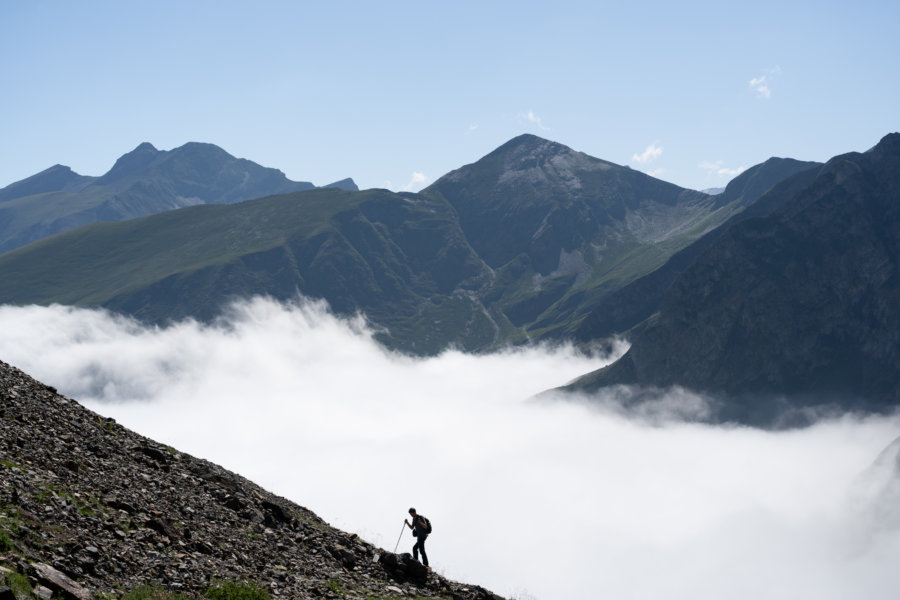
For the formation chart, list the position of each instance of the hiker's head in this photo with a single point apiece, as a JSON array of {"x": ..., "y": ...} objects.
[{"x": 412, "y": 511}]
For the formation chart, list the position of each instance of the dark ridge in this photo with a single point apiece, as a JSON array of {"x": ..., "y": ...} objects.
[{"x": 797, "y": 310}]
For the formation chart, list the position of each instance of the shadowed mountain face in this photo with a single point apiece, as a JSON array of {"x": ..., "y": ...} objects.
[
  {"x": 803, "y": 304},
  {"x": 760, "y": 189},
  {"x": 143, "y": 182},
  {"x": 518, "y": 246}
]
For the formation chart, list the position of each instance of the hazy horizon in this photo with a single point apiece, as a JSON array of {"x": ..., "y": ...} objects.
[{"x": 531, "y": 499}]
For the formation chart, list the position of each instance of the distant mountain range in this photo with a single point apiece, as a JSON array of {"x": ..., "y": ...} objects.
[
  {"x": 518, "y": 246},
  {"x": 781, "y": 285},
  {"x": 143, "y": 182}
]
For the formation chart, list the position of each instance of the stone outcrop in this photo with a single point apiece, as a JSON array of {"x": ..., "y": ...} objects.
[{"x": 90, "y": 509}]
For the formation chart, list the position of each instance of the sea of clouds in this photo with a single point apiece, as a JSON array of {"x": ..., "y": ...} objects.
[{"x": 534, "y": 499}]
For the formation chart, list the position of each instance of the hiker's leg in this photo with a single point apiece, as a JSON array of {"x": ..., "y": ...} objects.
[{"x": 421, "y": 545}]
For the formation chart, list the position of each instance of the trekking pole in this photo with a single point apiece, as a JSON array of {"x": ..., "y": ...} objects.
[{"x": 399, "y": 538}]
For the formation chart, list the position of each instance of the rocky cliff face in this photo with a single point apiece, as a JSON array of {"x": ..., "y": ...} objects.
[
  {"x": 797, "y": 309},
  {"x": 91, "y": 509}
]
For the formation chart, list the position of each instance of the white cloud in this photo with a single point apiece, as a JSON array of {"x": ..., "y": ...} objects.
[
  {"x": 533, "y": 119},
  {"x": 717, "y": 168},
  {"x": 520, "y": 491},
  {"x": 472, "y": 129},
  {"x": 759, "y": 85},
  {"x": 416, "y": 182},
  {"x": 652, "y": 152}
]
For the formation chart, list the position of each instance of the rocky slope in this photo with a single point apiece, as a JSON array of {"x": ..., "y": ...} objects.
[
  {"x": 89, "y": 509},
  {"x": 143, "y": 182},
  {"x": 794, "y": 310}
]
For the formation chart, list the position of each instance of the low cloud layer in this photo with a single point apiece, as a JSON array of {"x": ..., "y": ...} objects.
[{"x": 533, "y": 499}]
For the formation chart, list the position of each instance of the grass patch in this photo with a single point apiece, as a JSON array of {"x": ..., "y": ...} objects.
[
  {"x": 236, "y": 590},
  {"x": 154, "y": 592},
  {"x": 334, "y": 586},
  {"x": 5, "y": 543},
  {"x": 19, "y": 585}
]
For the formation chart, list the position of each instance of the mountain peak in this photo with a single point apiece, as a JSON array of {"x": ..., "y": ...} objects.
[
  {"x": 131, "y": 162},
  {"x": 755, "y": 181},
  {"x": 529, "y": 159},
  {"x": 528, "y": 146},
  {"x": 53, "y": 179},
  {"x": 344, "y": 184},
  {"x": 888, "y": 144}
]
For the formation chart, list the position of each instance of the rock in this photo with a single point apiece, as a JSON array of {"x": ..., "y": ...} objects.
[
  {"x": 60, "y": 582},
  {"x": 157, "y": 455},
  {"x": 6, "y": 593},
  {"x": 43, "y": 593},
  {"x": 404, "y": 568}
]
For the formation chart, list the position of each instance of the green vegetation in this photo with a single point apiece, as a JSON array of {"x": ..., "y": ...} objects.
[
  {"x": 219, "y": 590},
  {"x": 5, "y": 543},
  {"x": 19, "y": 584},
  {"x": 236, "y": 590},
  {"x": 10, "y": 464},
  {"x": 154, "y": 592}
]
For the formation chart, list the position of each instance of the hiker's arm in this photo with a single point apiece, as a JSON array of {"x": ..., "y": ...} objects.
[{"x": 407, "y": 523}]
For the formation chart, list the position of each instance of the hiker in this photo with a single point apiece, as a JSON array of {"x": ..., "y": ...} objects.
[{"x": 419, "y": 528}]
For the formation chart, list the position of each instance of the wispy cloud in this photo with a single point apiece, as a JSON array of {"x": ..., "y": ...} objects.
[
  {"x": 760, "y": 85},
  {"x": 472, "y": 129},
  {"x": 652, "y": 152},
  {"x": 718, "y": 168},
  {"x": 416, "y": 182},
  {"x": 534, "y": 119}
]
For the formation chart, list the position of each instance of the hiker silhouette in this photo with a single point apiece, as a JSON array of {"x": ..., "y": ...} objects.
[{"x": 420, "y": 528}]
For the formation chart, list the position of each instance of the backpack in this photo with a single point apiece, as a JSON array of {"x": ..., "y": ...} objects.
[{"x": 427, "y": 524}]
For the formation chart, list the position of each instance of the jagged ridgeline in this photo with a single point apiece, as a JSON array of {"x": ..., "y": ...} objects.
[
  {"x": 89, "y": 509},
  {"x": 521, "y": 245},
  {"x": 143, "y": 182}
]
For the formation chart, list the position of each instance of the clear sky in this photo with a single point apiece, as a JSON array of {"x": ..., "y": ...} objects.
[{"x": 396, "y": 94}]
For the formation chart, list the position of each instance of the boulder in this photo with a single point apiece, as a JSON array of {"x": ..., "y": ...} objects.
[{"x": 60, "y": 582}]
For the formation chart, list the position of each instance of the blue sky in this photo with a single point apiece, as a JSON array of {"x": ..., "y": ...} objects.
[{"x": 395, "y": 94}]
